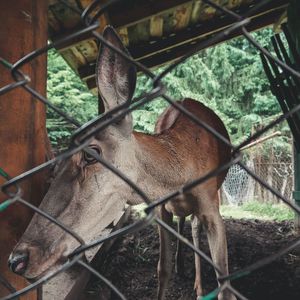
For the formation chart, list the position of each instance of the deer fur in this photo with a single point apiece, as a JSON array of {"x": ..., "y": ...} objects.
[{"x": 85, "y": 196}]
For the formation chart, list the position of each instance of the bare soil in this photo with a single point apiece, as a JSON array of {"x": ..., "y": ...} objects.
[{"x": 131, "y": 264}]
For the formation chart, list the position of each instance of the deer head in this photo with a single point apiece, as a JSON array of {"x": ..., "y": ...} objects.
[{"x": 84, "y": 195}]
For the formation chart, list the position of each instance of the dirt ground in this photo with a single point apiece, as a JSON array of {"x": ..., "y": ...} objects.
[{"x": 131, "y": 264}]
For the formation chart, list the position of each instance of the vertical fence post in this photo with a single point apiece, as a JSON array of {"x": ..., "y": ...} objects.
[
  {"x": 23, "y": 136},
  {"x": 296, "y": 193}
]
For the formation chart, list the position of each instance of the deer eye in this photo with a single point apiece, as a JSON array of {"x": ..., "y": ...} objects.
[{"x": 88, "y": 157}]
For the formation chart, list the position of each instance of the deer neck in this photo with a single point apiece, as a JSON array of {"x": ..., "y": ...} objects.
[{"x": 151, "y": 165}]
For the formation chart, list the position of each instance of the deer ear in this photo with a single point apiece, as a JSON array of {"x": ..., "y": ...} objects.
[{"x": 116, "y": 77}]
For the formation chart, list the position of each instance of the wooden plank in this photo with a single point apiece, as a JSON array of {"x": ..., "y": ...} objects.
[
  {"x": 123, "y": 33},
  {"x": 66, "y": 30},
  {"x": 142, "y": 50},
  {"x": 78, "y": 56},
  {"x": 182, "y": 16},
  {"x": 234, "y": 3},
  {"x": 168, "y": 23},
  {"x": 172, "y": 54},
  {"x": 24, "y": 142},
  {"x": 164, "y": 51},
  {"x": 196, "y": 11},
  {"x": 94, "y": 90},
  {"x": 103, "y": 19},
  {"x": 83, "y": 49},
  {"x": 73, "y": 57},
  {"x": 139, "y": 32},
  {"x": 67, "y": 17},
  {"x": 128, "y": 14},
  {"x": 88, "y": 49},
  {"x": 91, "y": 81},
  {"x": 122, "y": 15},
  {"x": 87, "y": 71},
  {"x": 156, "y": 26},
  {"x": 207, "y": 12}
]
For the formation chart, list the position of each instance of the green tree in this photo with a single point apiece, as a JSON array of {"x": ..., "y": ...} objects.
[
  {"x": 229, "y": 78},
  {"x": 67, "y": 92}
]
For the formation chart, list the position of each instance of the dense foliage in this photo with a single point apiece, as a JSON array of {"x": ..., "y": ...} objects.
[
  {"x": 228, "y": 78},
  {"x": 67, "y": 92}
]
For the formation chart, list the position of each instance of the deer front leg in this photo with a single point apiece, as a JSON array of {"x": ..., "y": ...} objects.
[
  {"x": 179, "y": 258},
  {"x": 196, "y": 229},
  {"x": 164, "y": 267},
  {"x": 218, "y": 247}
]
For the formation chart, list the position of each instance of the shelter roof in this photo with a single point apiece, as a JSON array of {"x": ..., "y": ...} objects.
[{"x": 155, "y": 31}]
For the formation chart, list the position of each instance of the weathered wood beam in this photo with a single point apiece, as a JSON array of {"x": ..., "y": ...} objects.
[
  {"x": 156, "y": 26},
  {"x": 121, "y": 14},
  {"x": 171, "y": 48},
  {"x": 24, "y": 141},
  {"x": 182, "y": 16},
  {"x": 173, "y": 53},
  {"x": 103, "y": 19},
  {"x": 200, "y": 30},
  {"x": 65, "y": 31}
]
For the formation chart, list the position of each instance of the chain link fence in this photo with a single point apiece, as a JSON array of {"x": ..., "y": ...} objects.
[
  {"x": 82, "y": 137},
  {"x": 276, "y": 168}
]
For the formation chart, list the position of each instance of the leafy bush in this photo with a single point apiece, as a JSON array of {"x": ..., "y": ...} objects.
[
  {"x": 67, "y": 92},
  {"x": 228, "y": 78}
]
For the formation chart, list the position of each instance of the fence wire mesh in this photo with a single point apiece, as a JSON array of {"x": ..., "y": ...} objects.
[
  {"x": 82, "y": 137},
  {"x": 276, "y": 168}
]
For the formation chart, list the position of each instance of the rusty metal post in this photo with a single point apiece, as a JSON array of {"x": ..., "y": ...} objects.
[{"x": 23, "y": 136}]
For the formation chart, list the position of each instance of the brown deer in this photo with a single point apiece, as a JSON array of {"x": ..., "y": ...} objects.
[{"x": 84, "y": 193}]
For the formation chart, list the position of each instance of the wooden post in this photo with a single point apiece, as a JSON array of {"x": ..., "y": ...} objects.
[{"x": 23, "y": 136}]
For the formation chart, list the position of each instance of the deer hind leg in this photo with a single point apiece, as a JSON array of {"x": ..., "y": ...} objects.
[
  {"x": 216, "y": 235},
  {"x": 164, "y": 268},
  {"x": 196, "y": 230},
  {"x": 179, "y": 258}
]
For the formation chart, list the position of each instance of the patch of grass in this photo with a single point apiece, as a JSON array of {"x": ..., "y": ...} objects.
[
  {"x": 249, "y": 210},
  {"x": 258, "y": 210},
  {"x": 237, "y": 212},
  {"x": 278, "y": 212}
]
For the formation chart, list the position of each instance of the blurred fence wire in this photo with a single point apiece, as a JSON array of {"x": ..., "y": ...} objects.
[
  {"x": 83, "y": 135},
  {"x": 276, "y": 169}
]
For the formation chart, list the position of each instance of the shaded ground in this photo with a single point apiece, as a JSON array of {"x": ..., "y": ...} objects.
[{"x": 131, "y": 264}]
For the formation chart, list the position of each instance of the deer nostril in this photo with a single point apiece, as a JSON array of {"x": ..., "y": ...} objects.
[{"x": 18, "y": 263}]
